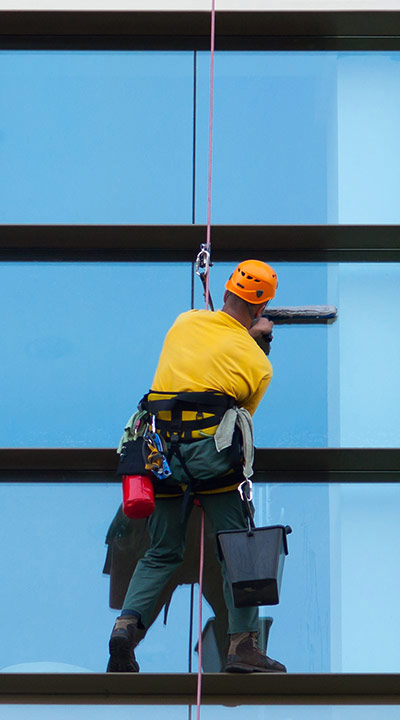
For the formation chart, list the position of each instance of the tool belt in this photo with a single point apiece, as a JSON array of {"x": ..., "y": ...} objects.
[
  {"x": 183, "y": 418},
  {"x": 186, "y": 415}
]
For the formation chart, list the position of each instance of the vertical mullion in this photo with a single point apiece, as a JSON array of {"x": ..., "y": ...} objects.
[{"x": 194, "y": 165}]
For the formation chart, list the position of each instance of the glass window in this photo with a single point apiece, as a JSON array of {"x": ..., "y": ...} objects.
[
  {"x": 338, "y": 603},
  {"x": 96, "y": 137},
  {"x": 208, "y": 712},
  {"x": 301, "y": 137},
  {"x": 81, "y": 343}
]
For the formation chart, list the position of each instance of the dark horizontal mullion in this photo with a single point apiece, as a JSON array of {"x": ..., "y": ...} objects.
[
  {"x": 271, "y": 464},
  {"x": 163, "y": 243},
  {"x": 272, "y": 477},
  {"x": 217, "y": 689},
  {"x": 335, "y": 460},
  {"x": 191, "y": 29}
]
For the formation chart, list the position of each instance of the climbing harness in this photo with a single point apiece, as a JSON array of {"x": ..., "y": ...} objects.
[{"x": 186, "y": 414}]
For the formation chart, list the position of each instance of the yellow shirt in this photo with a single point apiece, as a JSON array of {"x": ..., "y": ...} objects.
[{"x": 206, "y": 350}]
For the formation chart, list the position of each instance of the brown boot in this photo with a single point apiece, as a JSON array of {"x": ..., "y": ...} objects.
[
  {"x": 122, "y": 642},
  {"x": 244, "y": 656}
]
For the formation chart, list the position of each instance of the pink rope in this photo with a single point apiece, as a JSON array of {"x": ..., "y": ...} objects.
[
  {"x": 200, "y": 653},
  {"x": 210, "y": 139},
  {"x": 207, "y": 295}
]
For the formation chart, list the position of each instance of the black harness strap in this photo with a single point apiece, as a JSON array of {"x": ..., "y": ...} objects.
[
  {"x": 210, "y": 403},
  {"x": 214, "y": 404}
]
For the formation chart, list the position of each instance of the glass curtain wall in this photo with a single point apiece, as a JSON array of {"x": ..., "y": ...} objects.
[
  {"x": 119, "y": 138},
  {"x": 216, "y": 712},
  {"x": 81, "y": 342},
  {"x": 338, "y": 602}
]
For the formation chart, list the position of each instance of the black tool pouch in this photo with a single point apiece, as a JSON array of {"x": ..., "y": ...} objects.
[{"x": 132, "y": 459}]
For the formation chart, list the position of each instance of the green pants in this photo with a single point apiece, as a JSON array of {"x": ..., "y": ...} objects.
[{"x": 167, "y": 537}]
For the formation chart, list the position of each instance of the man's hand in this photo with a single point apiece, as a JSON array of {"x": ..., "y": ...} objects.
[{"x": 261, "y": 327}]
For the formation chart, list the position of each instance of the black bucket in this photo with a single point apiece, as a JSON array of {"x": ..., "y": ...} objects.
[{"x": 254, "y": 561}]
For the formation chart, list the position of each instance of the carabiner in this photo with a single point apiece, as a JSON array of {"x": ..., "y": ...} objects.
[
  {"x": 249, "y": 490},
  {"x": 203, "y": 260}
]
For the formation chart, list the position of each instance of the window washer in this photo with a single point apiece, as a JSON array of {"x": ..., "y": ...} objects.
[{"x": 210, "y": 365}]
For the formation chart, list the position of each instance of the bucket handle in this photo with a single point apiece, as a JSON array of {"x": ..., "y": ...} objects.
[{"x": 246, "y": 493}]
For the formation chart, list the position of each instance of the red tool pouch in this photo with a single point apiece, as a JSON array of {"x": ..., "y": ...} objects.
[{"x": 137, "y": 496}]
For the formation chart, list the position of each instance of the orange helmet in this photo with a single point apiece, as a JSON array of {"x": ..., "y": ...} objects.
[{"x": 253, "y": 281}]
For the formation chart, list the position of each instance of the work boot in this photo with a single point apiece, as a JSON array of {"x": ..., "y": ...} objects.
[
  {"x": 244, "y": 656},
  {"x": 122, "y": 642}
]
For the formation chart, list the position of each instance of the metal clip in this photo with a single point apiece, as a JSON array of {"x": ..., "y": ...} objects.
[
  {"x": 153, "y": 423},
  {"x": 203, "y": 260},
  {"x": 246, "y": 490}
]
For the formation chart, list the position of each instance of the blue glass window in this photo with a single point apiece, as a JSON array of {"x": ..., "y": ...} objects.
[
  {"x": 81, "y": 343},
  {"x": 338, "y": 604},
  {"x": 301, "y": 137},
  {"x": 96, "y": 137}
]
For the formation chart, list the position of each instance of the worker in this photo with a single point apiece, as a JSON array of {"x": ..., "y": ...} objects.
[{"x": 210, "y": 363}]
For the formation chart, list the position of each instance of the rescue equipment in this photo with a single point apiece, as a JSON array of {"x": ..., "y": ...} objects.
[
  {"x": 253, "y": 281},
  {"x": 137, "y": 496}
]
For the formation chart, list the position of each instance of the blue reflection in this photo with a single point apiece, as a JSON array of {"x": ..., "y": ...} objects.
[
  {"x": 81, "y": 343},
  {"x": 275, "y": 138},
  {"x": 96, "y": 137},
  {"x": 294, "y": 412},
  {"x": 301, "y": 137},
  {"x": 107, "y": 137},
  {"x": 80, "y": 346},
  {"x": 147, "y": 712},
  {"x": 338, "y": 610}
]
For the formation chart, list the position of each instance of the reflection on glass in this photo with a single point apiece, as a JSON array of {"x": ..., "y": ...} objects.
[
  {"x": 96, "y": 137},
  {"x": 88, "y": 336},
  {"x": 338, "y": 610},
  {"x": 81, "y": 346},
  {"x": 301, "y": 137},
  {"x": 208, "y": 712}
]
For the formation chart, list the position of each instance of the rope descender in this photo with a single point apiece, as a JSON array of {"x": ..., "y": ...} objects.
[
  {"x": 203, "y": 260},
  {"x": 202, "y": 266}
]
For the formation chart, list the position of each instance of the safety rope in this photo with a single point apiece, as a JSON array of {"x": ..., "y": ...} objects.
[
  {"x": 210, "y": 143},
  {"x": 200, "y": 646},
  {"x": 206, "y": 255},
  {"x": 203, "y": 260}
]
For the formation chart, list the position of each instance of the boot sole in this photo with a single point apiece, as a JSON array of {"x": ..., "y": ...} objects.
[
  {"x": 244, "y": 668},
  {"x": 121, "y": 658}
]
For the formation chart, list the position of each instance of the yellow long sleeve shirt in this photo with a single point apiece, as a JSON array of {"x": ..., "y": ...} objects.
[{"x": 206, "y": 350}]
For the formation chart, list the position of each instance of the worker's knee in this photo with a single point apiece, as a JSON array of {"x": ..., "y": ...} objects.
[{"x": 165, "y": 555}]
